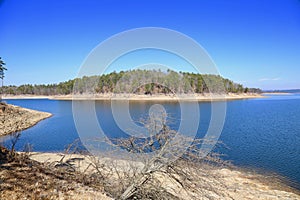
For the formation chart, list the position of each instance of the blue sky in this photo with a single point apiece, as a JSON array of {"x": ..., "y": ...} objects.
[{"x": 254, "y": 42}]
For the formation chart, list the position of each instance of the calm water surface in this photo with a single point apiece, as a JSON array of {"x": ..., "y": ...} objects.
[{"x": 259, "y": 133}]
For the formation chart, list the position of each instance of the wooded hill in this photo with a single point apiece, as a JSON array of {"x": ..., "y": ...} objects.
[{"x": 136, "y": 81}]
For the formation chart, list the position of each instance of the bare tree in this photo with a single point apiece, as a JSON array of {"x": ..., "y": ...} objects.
[{"x": 139, "y": 176}]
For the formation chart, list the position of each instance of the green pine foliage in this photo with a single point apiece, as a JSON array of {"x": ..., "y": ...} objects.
[{"x": 136, "y": 81}]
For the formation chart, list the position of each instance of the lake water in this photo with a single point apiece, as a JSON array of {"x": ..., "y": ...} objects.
[{"x": 259, "y": 133}]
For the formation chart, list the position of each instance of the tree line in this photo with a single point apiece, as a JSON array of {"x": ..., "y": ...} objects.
[{"x": 136, "y": 81}]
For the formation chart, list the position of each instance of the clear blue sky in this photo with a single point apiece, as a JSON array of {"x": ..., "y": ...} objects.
[{"x": 254, "y": 42}]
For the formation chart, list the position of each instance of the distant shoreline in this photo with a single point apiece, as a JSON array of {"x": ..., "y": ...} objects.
[
  {"x": 277, "y": 93},
  {"x": 135, "y": 97}
]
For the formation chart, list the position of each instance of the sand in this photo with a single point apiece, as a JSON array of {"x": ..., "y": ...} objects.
[
  {"x": 230, "y": 183},
  {"x": 277, "y": 93},
  {"x": 135, "y": 97},
  {"x": 24, "y": 97}
]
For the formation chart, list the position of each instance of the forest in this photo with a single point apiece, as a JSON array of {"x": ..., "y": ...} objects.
[{"x": 138, "y": 82}]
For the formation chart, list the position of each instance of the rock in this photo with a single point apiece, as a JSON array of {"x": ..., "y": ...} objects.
[{"x": 3, "y": 107}]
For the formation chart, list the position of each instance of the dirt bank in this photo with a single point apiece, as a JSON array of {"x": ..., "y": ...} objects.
[
  {"x": 14, "y": 118},
  {"x": 23, "y": 178}
]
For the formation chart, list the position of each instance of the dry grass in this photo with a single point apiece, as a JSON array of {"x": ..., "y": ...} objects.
[{"x": 23, "y": 178}]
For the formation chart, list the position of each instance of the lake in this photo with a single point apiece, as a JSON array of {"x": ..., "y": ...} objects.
[{"x": 259, "y": 133}]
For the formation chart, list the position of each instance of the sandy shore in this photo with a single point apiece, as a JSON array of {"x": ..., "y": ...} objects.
[
  {"x": 135, "y": 97},
  {"x": 14, "y": 118},
  {"x": 231, "y": 183},
  {"x": 24, "y": 97},
  {"x": 277, "y": 93}
]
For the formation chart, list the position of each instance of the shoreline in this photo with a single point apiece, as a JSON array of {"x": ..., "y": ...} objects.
[
  {"x": 14, "y": 119},
  {"x": 240, "y": 182},
  {"x": 277, "y": 93},
  {"x": 135, "y": 97}
]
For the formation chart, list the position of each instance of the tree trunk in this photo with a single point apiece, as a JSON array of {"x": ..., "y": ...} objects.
[{"x": 1, "y": 91}]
